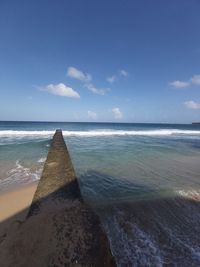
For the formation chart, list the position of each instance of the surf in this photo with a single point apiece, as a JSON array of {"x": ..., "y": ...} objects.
[{"x": 102, "y": 132}]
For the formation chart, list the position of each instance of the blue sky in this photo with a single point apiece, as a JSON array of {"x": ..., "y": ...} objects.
[{"x": 127, "y": 61}]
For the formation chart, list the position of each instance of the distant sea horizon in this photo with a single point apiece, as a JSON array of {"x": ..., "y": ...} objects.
[{"x": 116, "y": 122}]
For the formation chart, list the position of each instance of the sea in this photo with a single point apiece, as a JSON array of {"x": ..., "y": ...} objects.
[{"x": 142, "y": 179}]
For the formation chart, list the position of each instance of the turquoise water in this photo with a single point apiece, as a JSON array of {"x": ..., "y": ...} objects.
[
  {"x": 121, "y": 167},
  {"x": 140, "y": 159}
]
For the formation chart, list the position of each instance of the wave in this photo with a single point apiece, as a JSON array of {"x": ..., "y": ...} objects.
[
  {"x": 20, "y": 174},
  {"x": 104, "y": 132},
  {"x": 189, "y": 194},
  {"x": 12, "y": 133},
  {"x": 21, "y": 171}
]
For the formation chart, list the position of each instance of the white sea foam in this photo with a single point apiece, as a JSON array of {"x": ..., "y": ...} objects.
[
  {"x": 190, "y": 194},
  {"x": 20, "y": 174},
  {"x": 161, "y": 132},
  {"x": 41, "y": 160},
  {"x": 129, "y": 243},
  {"x": 21, "y": 171},
  {"x": 11, "y": 133},
  {"x": 99, "y": 132}
]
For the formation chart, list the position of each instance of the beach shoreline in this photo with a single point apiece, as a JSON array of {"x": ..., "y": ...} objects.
[{"x": 15, "y": 203}]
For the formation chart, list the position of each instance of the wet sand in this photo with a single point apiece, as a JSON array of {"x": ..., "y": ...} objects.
[{"x": 14, "y": 204}]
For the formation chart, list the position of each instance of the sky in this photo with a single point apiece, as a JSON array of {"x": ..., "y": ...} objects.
[{"x": 108, "y": 60}]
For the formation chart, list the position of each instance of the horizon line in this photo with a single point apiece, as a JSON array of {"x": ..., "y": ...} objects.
[{"x": 100, "y": 122}]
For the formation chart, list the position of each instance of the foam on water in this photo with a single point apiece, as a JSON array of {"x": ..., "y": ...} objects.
[
  {"x": 161, "y": 132},
  {"x": 20, "y": 174},
  {"x": 102, "y": 132},
  {"x": 189, "y": 194},
  {"x": 131, "y": 246},
  {"x": 41, "y": 160},
  {"x": 154, "y": 233},
  {"x": 13, "y": 133}
]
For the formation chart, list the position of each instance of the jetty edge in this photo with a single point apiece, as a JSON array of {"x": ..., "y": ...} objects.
[{"x": 60, "y": 228}]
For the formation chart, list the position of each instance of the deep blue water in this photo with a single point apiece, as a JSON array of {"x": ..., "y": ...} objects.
[{"x": 120, "y": 166}]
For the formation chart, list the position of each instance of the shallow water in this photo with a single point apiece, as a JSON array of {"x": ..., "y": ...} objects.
[{"x": 143, "y": 180}]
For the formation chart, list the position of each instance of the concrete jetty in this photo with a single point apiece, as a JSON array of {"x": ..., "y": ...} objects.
[
  {"x": 60, "y": 229},
  {"x": 58, "y": 180}
]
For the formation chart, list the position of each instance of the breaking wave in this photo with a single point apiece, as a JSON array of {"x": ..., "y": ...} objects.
[{"x": 103, "y": 132}]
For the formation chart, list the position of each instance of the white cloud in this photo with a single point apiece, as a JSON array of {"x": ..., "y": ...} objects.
[
  {"x": 117, "y": 113},
  {"x": 95, "y": 90},
  {"x": 86, "y": 79},
  {"x": 78, "y": 74},
  {"x": 112, "y": 79},
  {"x": 91, "y": 114},
  {"x": 180, "y": 84},
  {"x": 61, "y": 90},
  {"x": 123, "y": 73},
  {"x": 194, "y": 80},
  {"x": 116, "y": 77},
  {"x": 192, "y": 104}
]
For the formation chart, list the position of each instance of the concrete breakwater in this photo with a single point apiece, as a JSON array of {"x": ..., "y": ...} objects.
[
  {"x": 60, "y": 229},
  {"x": 58, "y": 180}
]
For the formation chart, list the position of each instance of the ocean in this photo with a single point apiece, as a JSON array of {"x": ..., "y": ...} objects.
[{"x": 142, "y": 179}]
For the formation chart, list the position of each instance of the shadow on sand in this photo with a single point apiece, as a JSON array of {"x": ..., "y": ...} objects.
[{"x": 59, "y": 230}]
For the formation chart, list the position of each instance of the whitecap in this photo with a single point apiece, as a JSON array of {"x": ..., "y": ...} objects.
[{"x": 98, "y": 132}]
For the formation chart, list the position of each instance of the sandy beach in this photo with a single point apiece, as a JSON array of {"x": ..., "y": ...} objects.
[{"x": 14, "y": 204}]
